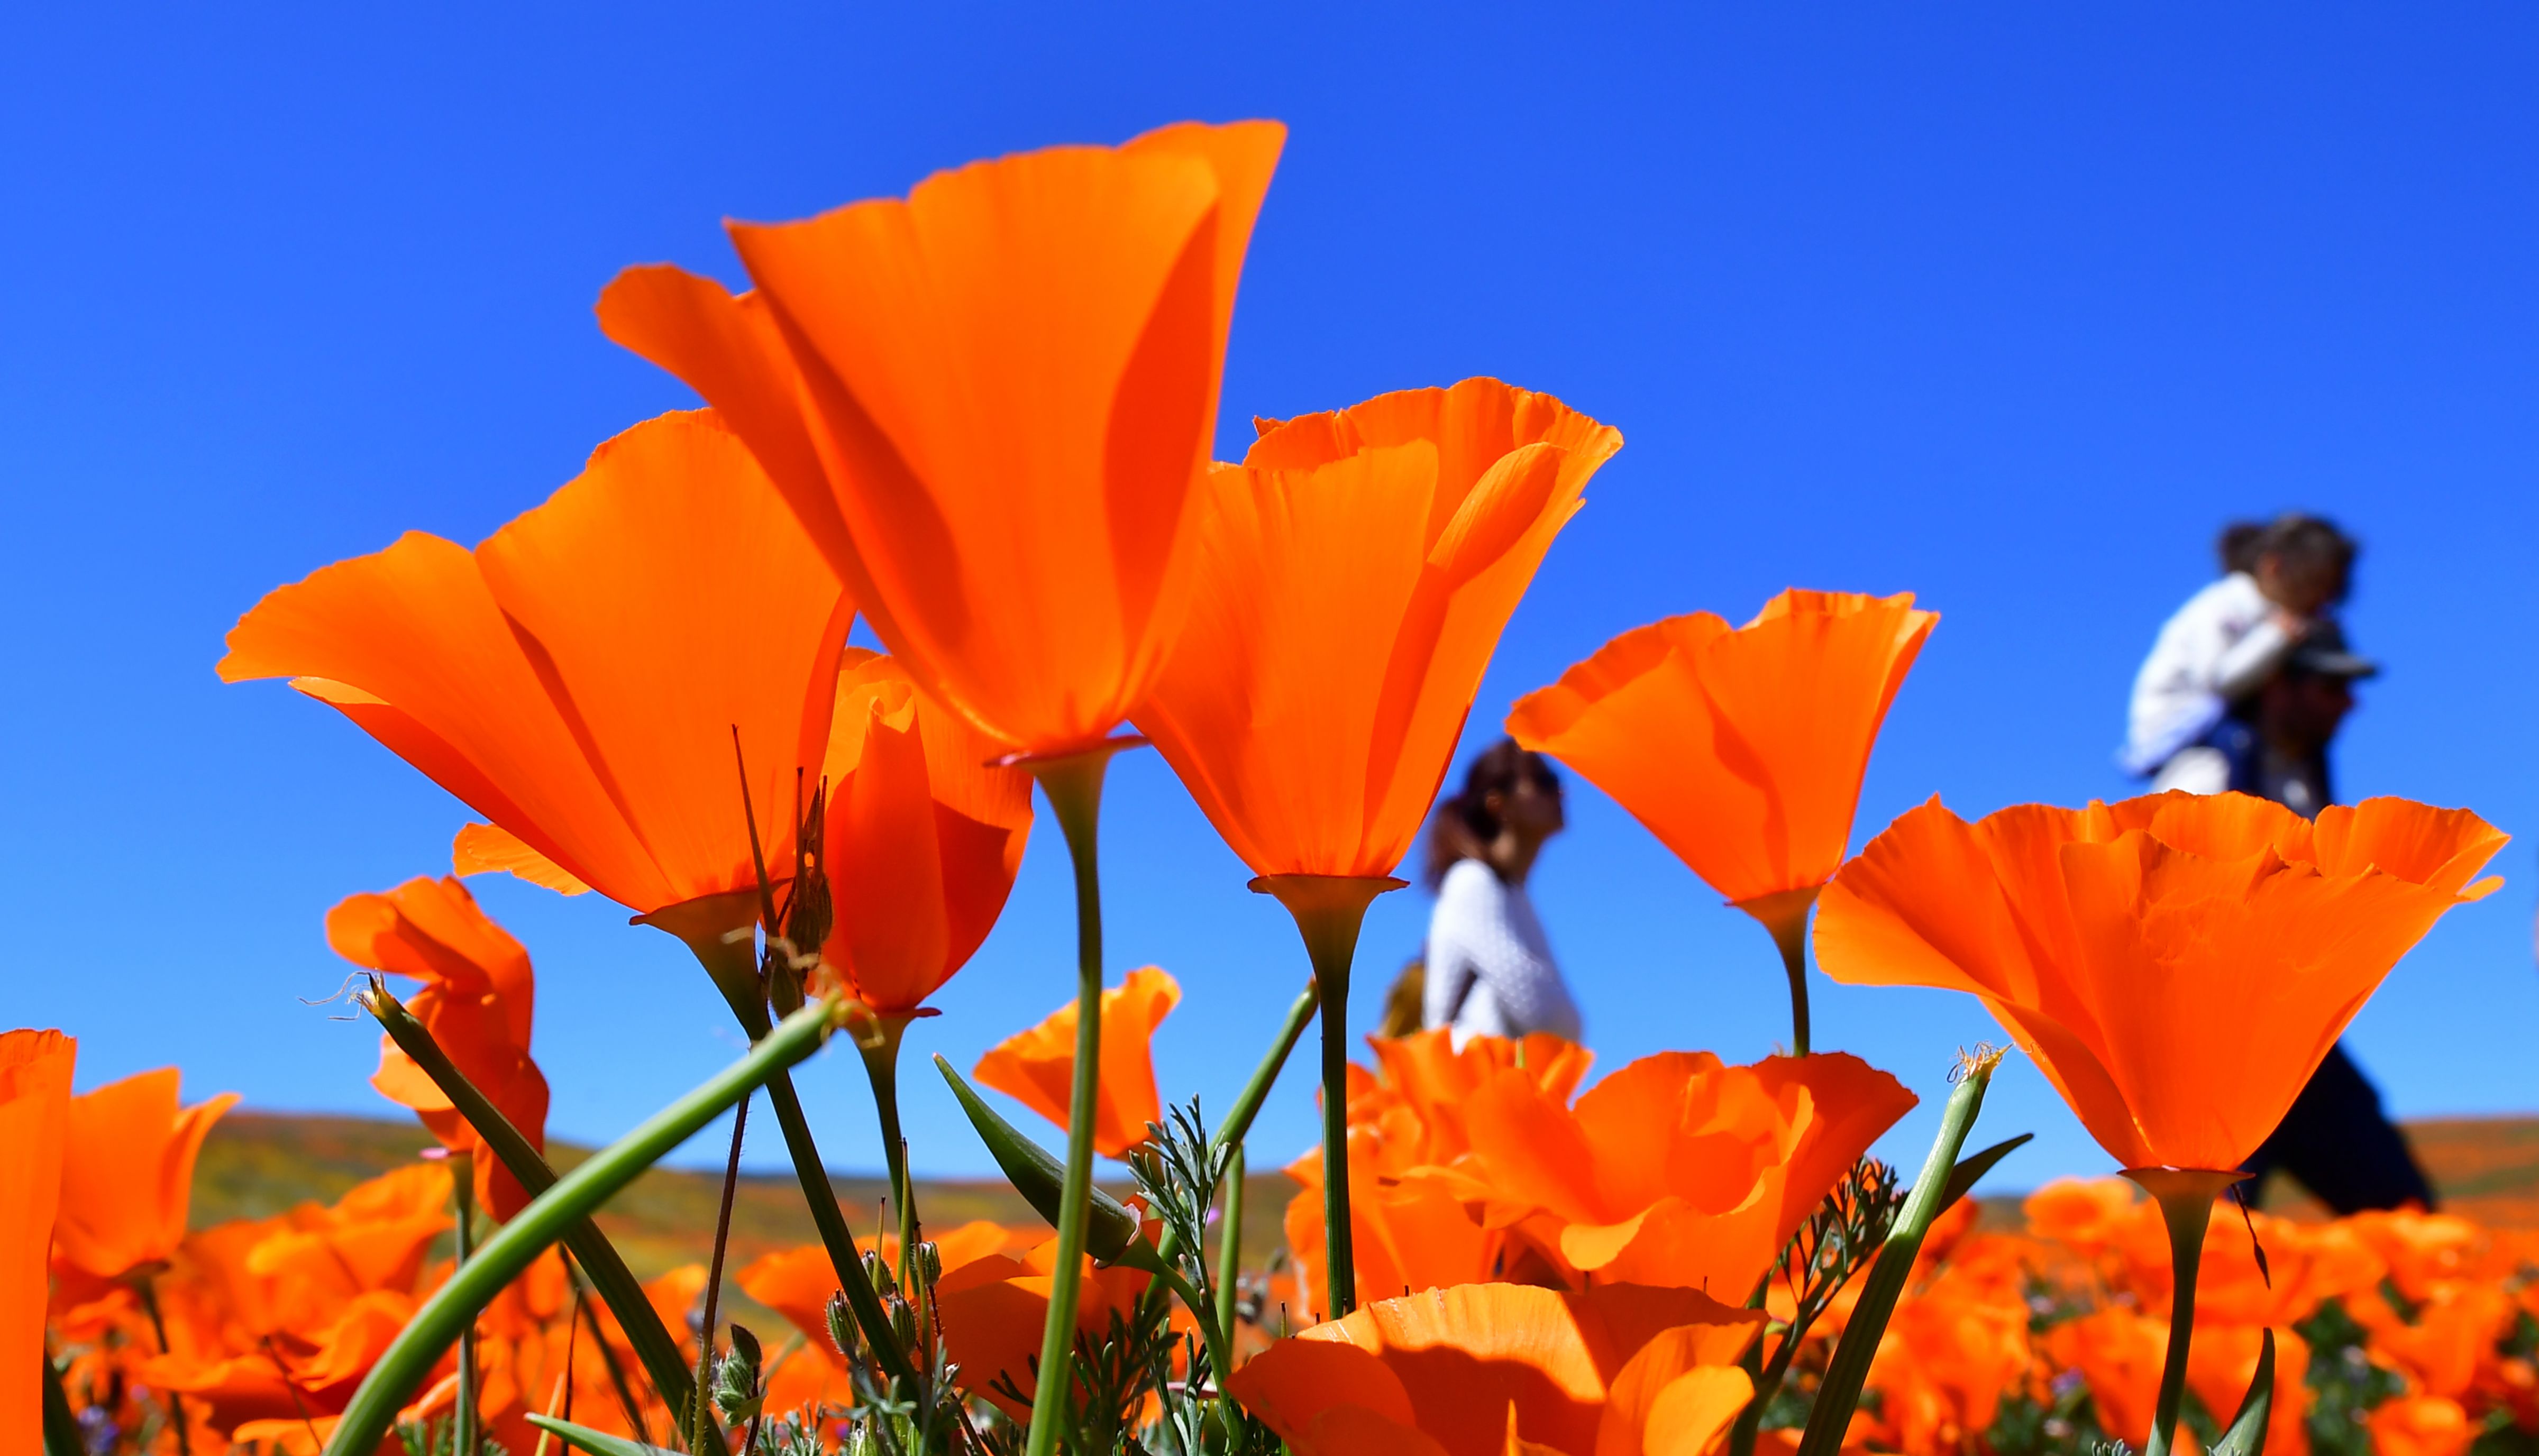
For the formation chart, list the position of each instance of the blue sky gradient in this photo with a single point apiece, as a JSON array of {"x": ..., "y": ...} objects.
[{"x": 2008, "y": 309}]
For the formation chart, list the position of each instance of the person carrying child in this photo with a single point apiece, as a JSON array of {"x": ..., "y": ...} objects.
[{"x": 2244, "y": 691}]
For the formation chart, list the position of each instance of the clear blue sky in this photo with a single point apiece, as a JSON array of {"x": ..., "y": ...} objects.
[{"x": 2009, "y": 308}]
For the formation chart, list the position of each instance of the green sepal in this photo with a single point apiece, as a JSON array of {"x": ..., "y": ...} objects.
[
  {"x": 1111, "y": 1237},
  {"x": 596, "y": 1443},
  {"x": 2248, "y": 1434},
  {"x": 1963, "y": 1177}
]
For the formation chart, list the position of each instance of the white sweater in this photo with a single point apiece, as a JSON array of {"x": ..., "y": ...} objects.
[
  {"x": 2218, "y": 649},
  {"x": 1489, "y": 967}
]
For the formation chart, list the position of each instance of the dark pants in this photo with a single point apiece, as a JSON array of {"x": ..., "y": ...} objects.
[{"x": 2340, "y": 1146}]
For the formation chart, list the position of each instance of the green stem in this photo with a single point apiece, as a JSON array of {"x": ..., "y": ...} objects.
[
  {"x": 149, "y": 1291},
  {"x": 462, "y": 1194},
  {"x": 1229, "y": 1249},
  {"x": 610, "y": 1279},
  {"x": 714, "y": 928},
  {"x": 1794, "y": 962},
  {"x": 1330, "y": 911},
  {"x": 1785, "y": 916},
  {"x": 2185, "y": 1197},
  {"x": 1840, "y": 1393},
  {"x": 702, "y": 1429},
  {"x": 1073, "y": 786},
  {"x": 1247, "y": 1103},
  {"x": 430, "y": 1334},
  {"x": 881, "y": 1066}
]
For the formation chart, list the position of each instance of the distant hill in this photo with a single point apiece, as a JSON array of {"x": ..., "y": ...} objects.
[{"x": 258, "y": 1163}]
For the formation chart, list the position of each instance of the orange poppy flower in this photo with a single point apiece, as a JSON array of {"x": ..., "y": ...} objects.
[
  {"x": 993, "y": 1308},
  {"x": 577, "y": 679},
  {"x": 2177, "y": 964},
  {"x": 2118, "y": 1352},
  {"x": 2420, "y": 1425},
  {"x": 1949, "y": 1355},
  {"x": 1357, "y": 570},
  {"x": 1037, "y": 1066},
  {"x": 923, "y": 837},
  {"x": 2224, "y": 1363},
  {"x": 1414, "y": 1232},
  {"x": 128, "y": 1174},
  {"x": 477, "y": 1000},
  {"x": 1499, "y": 1370},
  {"x": 1741, "y": 749},
  {"x": 1675, "y": 1169},
  {"x": 34, "y": 1112},
  {"x": 990, "y": 404}
]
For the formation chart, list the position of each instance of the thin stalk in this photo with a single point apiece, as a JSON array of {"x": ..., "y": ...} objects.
[
  {"x": 1229, "y": 1249},
  {"x": 1330, "y": 911},
  {"x": 709, "y": 927},
  {"x": 1073, "y": 786},
  {"x": 1840, "y": 1393},
  {"x": 148, "y": 1286},
  {"x": 610, "y": 1279},
  {"x": 426, "y": 1337},
  {"x": 1785, "y": 916},
  {"x": 608, "y": 1360},
  {"x": 2185, "y": 1197},
  {"x": 462, "y": 1194},
  {"x": 699, "y": 1429},
  {"x": 1247, "y": 1103},
  {"x": 881, "y": 1066}
]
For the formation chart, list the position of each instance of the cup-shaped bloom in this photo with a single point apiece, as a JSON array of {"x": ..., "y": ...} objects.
[
  {"x": 993, "y": 1306},
  {"x": 35, "y": 1111},
  {"x": 2177, "y": 964},
  {"x": 478, "y": 1000},
  {"x": 1037, "y": 1066},
  {"x": 578, "y": 678},
  {"x": 1355, "y": 573},
  {"x": 991, "y": 403},
  {"x": 1741, "y": 749},
  {"x": 1486, "y": 1369},
  {"x": 128, "y": 1174},
  {"x": 923, "y": 836},
  {"x": 1675, "y": 1169}
]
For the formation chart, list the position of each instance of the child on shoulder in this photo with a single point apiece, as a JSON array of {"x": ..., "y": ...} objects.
[{"x": 2281, "y": 584}]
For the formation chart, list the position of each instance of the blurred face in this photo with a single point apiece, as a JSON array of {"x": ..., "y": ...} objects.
[
  {"x": 2304, "y": 593},
  {"x": 1533, "y": 810}
]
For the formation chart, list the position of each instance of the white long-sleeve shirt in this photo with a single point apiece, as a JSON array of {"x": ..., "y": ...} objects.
[
  {"x": 1489, "y": 966},
  {"x": 2216, "y": 649}
]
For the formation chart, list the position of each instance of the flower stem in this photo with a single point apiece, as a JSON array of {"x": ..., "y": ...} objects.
[
  {"x": 148, "y": 1287},
  {"x": 715, "y": 930},
  {"x": 1229, "y": 1249},
  {"x": 1838, "y": 1395},
  {"x": 1330, "y": 911},
  {"x": 421, "y": 1344},
  {"x": 1247, "y": 1103},
  {"x": 1785, "y": 916},
  {"x": 881, "y": 1065},
  {"x": 702, "y": 1429},
  {"x": 610, "y": 1279},
  {"x": 1072, "y": 783},
  {"x": 2185, "y": 1197},
  {"x": 462, "y": 1193}
]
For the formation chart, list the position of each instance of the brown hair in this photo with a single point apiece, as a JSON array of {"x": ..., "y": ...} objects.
[
  {"x": 2310, "y": 547},
  {"x": 1464, "y": 824}
]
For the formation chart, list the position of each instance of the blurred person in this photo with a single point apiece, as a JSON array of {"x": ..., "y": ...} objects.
[
  {"x": 2337, "y": 1139},
  {"x": 2192, "y": 724},
  {"x": 1488, "y": 967}
]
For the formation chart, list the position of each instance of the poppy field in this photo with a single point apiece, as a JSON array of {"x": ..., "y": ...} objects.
[{"x": 979, "y": 421}]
